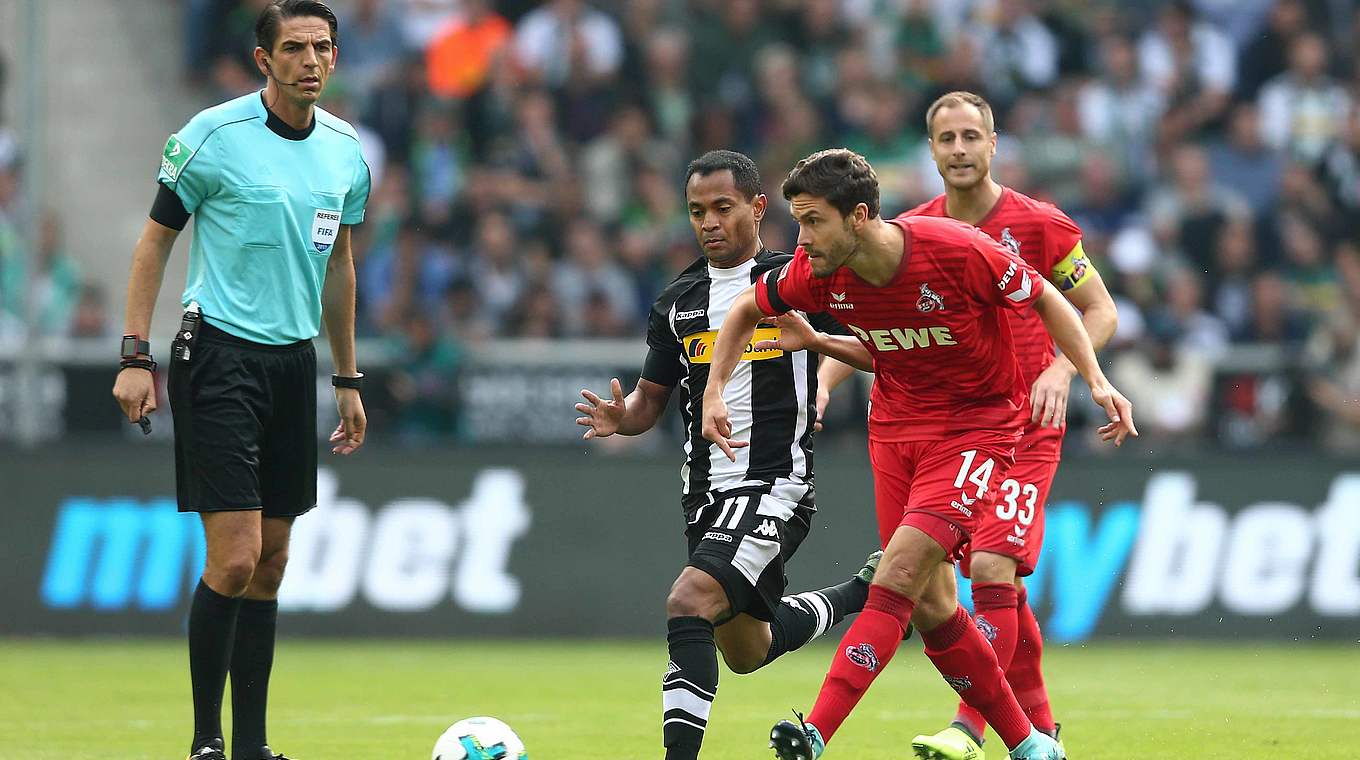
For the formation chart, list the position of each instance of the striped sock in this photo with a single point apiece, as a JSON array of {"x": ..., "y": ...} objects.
[
  {"x": 803, "y": 617},
  {"x": 689, "y": 686}
]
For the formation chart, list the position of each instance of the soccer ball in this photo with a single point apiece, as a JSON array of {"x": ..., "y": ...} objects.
[{"x": 479, "y": 739}]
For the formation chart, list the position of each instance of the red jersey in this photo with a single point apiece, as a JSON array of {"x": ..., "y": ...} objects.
[
  {"x": 1048, "y": 240},
  {"x": 943, "y": 355}
]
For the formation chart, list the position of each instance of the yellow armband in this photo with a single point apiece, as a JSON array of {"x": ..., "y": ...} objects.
[{"x": 1073, "y": 270}]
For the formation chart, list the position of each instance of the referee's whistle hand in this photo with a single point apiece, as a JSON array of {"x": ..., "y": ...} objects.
[{"x": 135, "y": 391}]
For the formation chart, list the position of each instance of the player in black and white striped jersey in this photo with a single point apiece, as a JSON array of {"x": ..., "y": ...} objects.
[{"x": 745, "y": 518}]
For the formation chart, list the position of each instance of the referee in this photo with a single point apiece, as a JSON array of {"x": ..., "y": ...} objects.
[{"x": 274, "y": 184}]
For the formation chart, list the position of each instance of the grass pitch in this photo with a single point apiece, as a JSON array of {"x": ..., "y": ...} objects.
[{"x": 389, "y": 700}]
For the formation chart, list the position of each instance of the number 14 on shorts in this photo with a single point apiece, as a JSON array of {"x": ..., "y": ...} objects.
[{"x": 1018, "y": 500}]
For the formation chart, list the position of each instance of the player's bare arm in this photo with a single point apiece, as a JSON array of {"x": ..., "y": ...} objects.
[
  {"x": 1072, "y": 340},
  {"x": 1048, "y": 396},
  {"x": 633, "y": 415},
  {"x": 732, "y": 338},
  {"x": 135, "y": 389},
  {"x": 337, "y": 309},
  {"x": 796, "y": 333}
]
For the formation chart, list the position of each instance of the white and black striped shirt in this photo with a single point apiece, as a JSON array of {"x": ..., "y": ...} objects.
[{"x": 771, "y": 396}]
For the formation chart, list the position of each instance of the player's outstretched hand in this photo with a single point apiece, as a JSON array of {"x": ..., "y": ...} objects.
[
  {"x": 1048, "y": 396},
  {"x": 602, "y": 418},
  {"x": 795, "y": 334},
  {"x": 718, "y": 427},
  {"x": 1119, "y": 411}
]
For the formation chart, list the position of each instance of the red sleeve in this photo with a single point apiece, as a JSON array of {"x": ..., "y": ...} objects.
[
  {"x": 1061, "y": 235},
  {"x": 1000, "y": 277},
  {"x": 791, "y": 287}
]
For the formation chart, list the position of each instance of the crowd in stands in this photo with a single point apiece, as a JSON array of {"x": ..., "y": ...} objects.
[{"x": 528, "y": 159}]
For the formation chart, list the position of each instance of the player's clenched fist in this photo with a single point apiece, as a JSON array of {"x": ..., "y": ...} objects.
[
  {"x": 718, "y": 427},
  {"x": 135, "y": 390}
]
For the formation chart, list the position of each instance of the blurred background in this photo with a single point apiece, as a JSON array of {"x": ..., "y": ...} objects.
[{"x": 527, "y": 206}]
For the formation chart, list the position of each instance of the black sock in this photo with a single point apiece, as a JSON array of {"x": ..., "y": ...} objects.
[
  {"x": 803, "y": 617},
  {"x": 212, "y": 626},
  {"x": 689, "y": 686},
  {"x": 251, "y": 660}
]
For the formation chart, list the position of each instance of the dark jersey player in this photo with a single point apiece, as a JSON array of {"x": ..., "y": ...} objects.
[
  {"x": 745, "y": 515},
  {"x": 924, "y": 298}
]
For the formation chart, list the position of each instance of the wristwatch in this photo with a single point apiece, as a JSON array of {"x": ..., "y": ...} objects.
[
  {"x": 133, "y": 346},
  {"x": 356, "y": 382}
]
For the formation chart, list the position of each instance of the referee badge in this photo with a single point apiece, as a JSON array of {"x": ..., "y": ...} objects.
[{"x": 325, "y": 226}]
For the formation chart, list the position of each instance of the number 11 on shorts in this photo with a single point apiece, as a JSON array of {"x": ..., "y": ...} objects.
[{"x": 979, "y": 476}]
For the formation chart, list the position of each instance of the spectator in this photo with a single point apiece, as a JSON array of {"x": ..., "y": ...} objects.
[
  {"x": 1244, "y": 162},
  {"x": 372, "y": 45},
  {"x": 1304, "y": 110},
  {"x": 460, "y": 57},
  {"x": 1121, "y": 108},
  {"x": 1193, "y": 66},
  {"x": 1266, "y": 56},
  {"x": 90, "y": 318},
  {"x": 565, "y": 38},
  {"x": 1188, "y": 215},
  {"x": 589, "y": 272},
  {"x": 1019, "y": 53},
  {"x": 496, "y": 269},
  {"x": 1231, "y": 275},
  {"x": 424, "y": 379},
  {"x": 1333, "y": 361},
  {"x": 55, "y": 289},
  {"x": 1273, "y": 319},
  {"x": 611, "y": 163},
  {"x": 1169, "y": 387}
]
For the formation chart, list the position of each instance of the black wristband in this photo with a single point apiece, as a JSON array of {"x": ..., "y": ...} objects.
[
  {"x": 147, "y": 364},
  {"x": 355, "y": 383}
]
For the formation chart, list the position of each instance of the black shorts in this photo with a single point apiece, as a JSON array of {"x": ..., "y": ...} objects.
[
  {"x": 742, "y": 538},
  {"x": 245, "y": 425}
]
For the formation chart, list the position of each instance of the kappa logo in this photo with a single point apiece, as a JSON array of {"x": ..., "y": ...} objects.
[
  {"x": 838, "y": 301},
  {"x": 988, "y": 630},
  {"x": 929, "y": 300},
  {"x": 714, "y": 535},
  {"x": 671, "y": 669},
  {"x": 767, "y": 528},
  {"x": 959, "y": 683},
  {"x": 864, "y": 656},
  {"x": 1008, "y": 240},
  {"x": 691, "y": 314}
]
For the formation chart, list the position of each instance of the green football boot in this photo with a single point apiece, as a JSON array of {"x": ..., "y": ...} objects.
[{"x": 950, "y": 744}]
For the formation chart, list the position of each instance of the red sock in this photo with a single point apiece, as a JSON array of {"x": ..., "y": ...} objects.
[
  {"x": 994, "y": 610},
  {"x": 968, "y": 664},
  {"x": 863, "y": 653},
  {"x": 1024, "y": 675}
]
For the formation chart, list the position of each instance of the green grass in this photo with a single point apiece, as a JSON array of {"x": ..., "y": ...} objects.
[{"x": 572, "y": 701}]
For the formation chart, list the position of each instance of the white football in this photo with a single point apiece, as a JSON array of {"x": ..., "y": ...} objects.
[{"x": 479, "y": 739}]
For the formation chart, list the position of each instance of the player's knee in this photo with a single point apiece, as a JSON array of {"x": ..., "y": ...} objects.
[
  {"x": 696, "y": 594},
  {"x": 900, "y": 576},
  {"x": 744, "y": 661},
  {"x": 993, "y": 568}
]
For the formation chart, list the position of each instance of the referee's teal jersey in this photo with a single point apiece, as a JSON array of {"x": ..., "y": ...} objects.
[{"x": 267, "y": 210}]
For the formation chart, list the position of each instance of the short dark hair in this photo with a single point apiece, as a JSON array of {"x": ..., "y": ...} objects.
[
  {"x": 745, "y": 175},
  {"x": 267, "y": 25},
  {"x": 841, "y": 176}
]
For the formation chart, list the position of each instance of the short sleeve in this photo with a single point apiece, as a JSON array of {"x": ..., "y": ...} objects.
[
  {"x": 791, "y": 287},
  {"x": 189, "y": 166},
  {"x": 1000, "y": 277},
  {"x": 663, "y": 365},
  {"x": 1066, "y": 264},
  {"x": 357, "y": 197}
]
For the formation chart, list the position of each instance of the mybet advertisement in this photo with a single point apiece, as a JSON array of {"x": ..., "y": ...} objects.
[{"x": 552, "y": 542}]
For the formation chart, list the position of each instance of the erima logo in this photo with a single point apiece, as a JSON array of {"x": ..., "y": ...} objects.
[
  {"x": 691, "y": 314},
  {"x": 838, "y": 301},
  {"x": 988, "y": 630},
  {"x": 905, "y": 338},
  {"x": 767, "y": 528},
  {"x": 929, "y": 300},
  {"x": 863, "y": 655},
  {"x": 838, "y": 296},
  {"x": 963, "y": 507}
]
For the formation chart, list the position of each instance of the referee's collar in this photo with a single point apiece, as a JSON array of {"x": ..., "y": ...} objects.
[{"x": 280, "y": 127}]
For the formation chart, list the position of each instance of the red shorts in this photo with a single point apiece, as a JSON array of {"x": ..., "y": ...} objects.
[
  {"x": 940, "y": 487},
  {"x": 1015, "y": 526}
]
